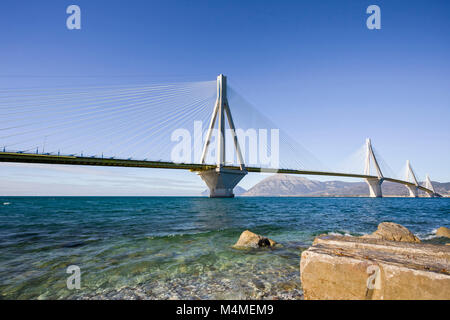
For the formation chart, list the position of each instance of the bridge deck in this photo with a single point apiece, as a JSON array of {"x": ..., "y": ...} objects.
[{"x": 110, "y": 162}]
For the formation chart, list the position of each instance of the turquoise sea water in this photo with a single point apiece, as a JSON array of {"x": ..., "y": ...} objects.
[{"x": 180, "y": 247}]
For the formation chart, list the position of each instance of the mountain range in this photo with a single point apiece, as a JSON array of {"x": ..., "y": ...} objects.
[{"x": 283, "y": 185}]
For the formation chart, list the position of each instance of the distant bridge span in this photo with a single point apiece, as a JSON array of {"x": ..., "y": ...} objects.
[{"x": 108, "y": 162}]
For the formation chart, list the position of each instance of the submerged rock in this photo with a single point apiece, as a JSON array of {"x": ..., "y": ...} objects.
[
  {"x": 340, "y": 267},
  {"x": 443, "y": 232},
  {"x": 249, "y": 239},
  {"x": 393, "y": 232}
]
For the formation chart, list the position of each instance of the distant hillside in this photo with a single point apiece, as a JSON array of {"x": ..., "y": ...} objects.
[{"x": 280, "y": 185}]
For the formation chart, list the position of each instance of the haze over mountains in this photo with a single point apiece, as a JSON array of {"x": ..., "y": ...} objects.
[{"x": 280, "y": 185}]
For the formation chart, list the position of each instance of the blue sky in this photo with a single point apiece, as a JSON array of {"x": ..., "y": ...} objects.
[{"x": 311, "y": 66}]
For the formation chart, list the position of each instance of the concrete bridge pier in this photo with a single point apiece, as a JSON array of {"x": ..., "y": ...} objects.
[
  {"x": 413, "y": 191},
  {"x": 432, "y": 194},
  {"x": 374, "y": 187},
  {"x": 221, "y": 182}
]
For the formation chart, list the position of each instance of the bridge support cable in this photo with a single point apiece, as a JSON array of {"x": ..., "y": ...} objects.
[
  {"x": 137, "y": 130},
  {"x": 286, "y": 152},
  {"x": 156, "y": 137},
  {"x": 81, "y": 117},
  {"x": 88, "y": 121},
  {"x": 76, "y": 105},
  {"x": 147, "y": 134}
]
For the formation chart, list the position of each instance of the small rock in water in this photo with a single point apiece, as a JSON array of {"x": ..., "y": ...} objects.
[
  {"x": 249, "y": 239},
  {"x": 73, "y": 244},
  {"x": 393, "y": 232},
  {"x": 443, "y": 232}
]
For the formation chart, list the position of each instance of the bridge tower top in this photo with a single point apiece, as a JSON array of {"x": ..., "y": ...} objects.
[
  {"x": 428, "y": 184},
  {"x": 222, "y": 109},
  {"x": 410, "y": 173},
  {"x": 371, "y": 155}
]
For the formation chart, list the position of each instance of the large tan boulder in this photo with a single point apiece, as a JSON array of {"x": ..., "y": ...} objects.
[
  {"x": 338, "y": 267},
  {"x": 249, "y": 239},
  {"x": 443, "y": 232},
  {"x": 393, "y": 232}
]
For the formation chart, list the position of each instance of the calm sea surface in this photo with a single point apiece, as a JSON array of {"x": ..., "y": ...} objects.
[{"x": 180, "y": 247}]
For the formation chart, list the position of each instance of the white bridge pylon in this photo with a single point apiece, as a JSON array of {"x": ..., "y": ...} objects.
[
  {"x": 221, "y": 181},
  {"x": 429, "y": 186},
  {"x": 411, "y": 177},
  {"x": 374, "y": 183}
]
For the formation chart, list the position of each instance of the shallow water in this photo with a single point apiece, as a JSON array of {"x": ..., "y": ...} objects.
[{"x": 180, "y": 247}]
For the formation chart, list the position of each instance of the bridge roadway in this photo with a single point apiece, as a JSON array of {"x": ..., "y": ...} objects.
[{"x": 111, "y": 162}]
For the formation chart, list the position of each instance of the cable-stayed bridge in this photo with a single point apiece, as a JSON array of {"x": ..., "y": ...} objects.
[{"x": 53, "y": 127}]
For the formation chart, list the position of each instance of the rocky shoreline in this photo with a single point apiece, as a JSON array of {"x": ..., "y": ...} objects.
[{"x": 390, "y": 264}]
